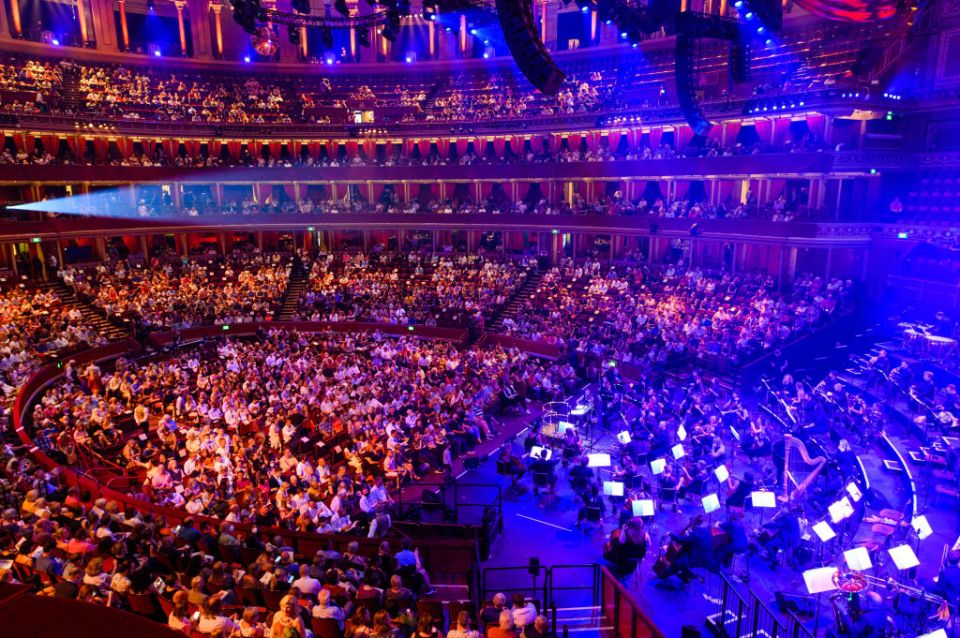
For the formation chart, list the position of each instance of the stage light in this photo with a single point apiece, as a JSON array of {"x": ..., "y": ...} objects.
[
  {"x": 246, "y": 59},
  {"x": 55, "y": 42},
  {"x": 760, "y": 29},
  {"x": 738, "y": 4},
  {"x": 584, "y": 9},
  {"x": 623, "y": 34},
  {"x": 156, "y": 53},
  {"x": 749, "y": 15},
  {"x": 873, "y": 171},
  {"x": 473, "y": 32},
  {"x": 151, "y": 5},
  {"x": 486, "y": 56},
  {"x": 769, "y": 42},
  {"x": 409, "y": 59}
]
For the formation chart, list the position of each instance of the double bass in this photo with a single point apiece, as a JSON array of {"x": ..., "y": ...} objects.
[{"x": 663, "y": 567}]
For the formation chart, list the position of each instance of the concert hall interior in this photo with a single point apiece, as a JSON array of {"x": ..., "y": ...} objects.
[{"x": 450, "y": 318}]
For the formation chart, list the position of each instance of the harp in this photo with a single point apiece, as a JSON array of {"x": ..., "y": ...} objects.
[{"x": 800, "y": 470}]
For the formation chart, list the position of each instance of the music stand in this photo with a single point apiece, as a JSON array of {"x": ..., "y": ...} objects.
[
  {"x": 722, "y": 474},
  {"x": 904, "y": 558},
  {"x": 921, "y": 526},
  {"x": 826, "y": 534},
  {"x": 763, "y": 500},
  {"x": 854, "y": 491},
  {"x": 624, "y": 437},
  {"x": 643, "y": 507},
  {"x": 937, "y": 633},
  {"x": 657, "y": 466},
  {"x": 677, "y": 451},
  {"x": 536, "y": 451},
  {"x": 598, "y": 459},
  {"x": 840, "y": 511},
  {"x": 818, "y": 581},
  {"x": 612, "y": 488},
  {"x": 858, "y": 559},
  {"x": 682, "y": 433},
  {"x": 711, "y": 503}
]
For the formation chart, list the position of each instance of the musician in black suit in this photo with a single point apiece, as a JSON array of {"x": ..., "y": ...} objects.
[
  {"x": 541, "y": 465},
  {"x": 783, "y": 534},
  {"x": 947, "y": 584}
]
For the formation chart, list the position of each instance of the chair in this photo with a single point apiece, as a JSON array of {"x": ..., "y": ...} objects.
[
  {"x": 504, "y": 469},
  {"x": 371, "y": 603},
  {"x": 145, "y": 605},
  {"x": 166, "y": 605},
  {"x": 272, "y": 598},
  {"x": 541, "y": 480},
  {"x": 230, "y": 555},
  {"x": 433, "y": 607},
  {"x": 248, "y": 597},
  {"x": 454, "y": 607},
  {"x": 325, "y": 628},
  {"x": 248, "y": 555},
  {"x": 593, "y": 519}
]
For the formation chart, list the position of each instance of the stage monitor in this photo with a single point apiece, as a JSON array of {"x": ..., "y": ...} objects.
[
  {"x": 600, "y": 459},
  {"x": 658, "y": 465},
  {"x": 612, "y": 488}
]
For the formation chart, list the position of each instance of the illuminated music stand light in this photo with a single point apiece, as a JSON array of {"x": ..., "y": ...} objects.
[
  {"x": 612, "y": 488},
  {"x": 657, "y": 466},
  {"x": 818, "y": 581},
  {"x": 600, "y": 459},
  {"x": 840, "y": 511},
  {"x": 854, "y": 491},
  {"x": 643, "y": 507},
  {"x": 711, "y": 503},
  {"x": 677, "y": 451},
  {"x": 682, "y": 433},
  {"x": 563, "y": 426},
  {"x": 824, "y": 532},
  {"x": 858, "y": 559},
  {"x": 764, "y": 500},
  {"x": 624, "y": 437},
  {"x": 722, "y": 474},
  {"x": 939, "y": 633},
  {"x": 921, "y": 526},
  {"x": 903, "y": 557},
  {"x": 536, "y": 451}
]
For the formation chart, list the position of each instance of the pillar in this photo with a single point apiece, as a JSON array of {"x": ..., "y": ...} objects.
[
  {"x": 180, "y": 5},
  {"x": 82, "y": 19},
  {"x": 16, "y": 31},
  {"x": 124, "y": 29},
  {"x": 217, "y": 9},
  {"x": 143, "y": 247},
  {"x": 104, "y": 25}
]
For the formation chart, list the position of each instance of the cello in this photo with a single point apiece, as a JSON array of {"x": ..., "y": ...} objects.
[{"x": 669, "y": 552}]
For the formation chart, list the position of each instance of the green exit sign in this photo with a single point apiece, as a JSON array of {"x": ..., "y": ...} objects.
[
  {"x": 35, "y": 240},
  {"x": 310, "y": 229},
  {"x": 226, "y": 327}
]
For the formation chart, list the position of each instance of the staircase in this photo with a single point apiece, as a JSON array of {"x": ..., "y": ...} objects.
[
  {"x": 513, "y": 305},
  {"x": 91, "y": 316},
  {"x": 295, "y": 286}
]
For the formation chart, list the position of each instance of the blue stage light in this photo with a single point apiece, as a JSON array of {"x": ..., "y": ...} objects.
[
  {"x": 486, "y": 56},
  {"x": 156, "y": 53},
  {"x": 738, "y": 4},
  {"x": 584, "y": 9},
  {"x": 246, "y": 59},
  {"x": 749, "y": 15},
  {"x": 473, "y": 32},
  {"x": 760, "y": 29},
  {"x": 55, "y": 42},
  {"x": 623, "y": 34},
  {"x": 769, "y": 42}
]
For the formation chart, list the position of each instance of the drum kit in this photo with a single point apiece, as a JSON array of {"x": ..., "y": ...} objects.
[{"x": 920, "y": 341}]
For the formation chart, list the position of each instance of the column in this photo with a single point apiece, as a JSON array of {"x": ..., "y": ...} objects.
[
  {"x": 217, "y": 9},
  {"x": 104, "y": 25},
  {"x": 199, "y": 12},
  {"x": 4, "y": 23},
  {"x": 143, "y": 247},
  {"x": 16, "y": 31},
  {"x": 124, "y": 30},
  {"x": 82, "y": 19},
  {"x": 180, "y": 5}
]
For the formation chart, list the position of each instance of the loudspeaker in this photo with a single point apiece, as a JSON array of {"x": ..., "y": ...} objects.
[
  {"x": 520, "y": 32},
  {"x": 534, "y": 566},
  {"x": 740, "y": 60},
  {"x": 686, "y": 91},
  {"x": 690, "y": 631}
]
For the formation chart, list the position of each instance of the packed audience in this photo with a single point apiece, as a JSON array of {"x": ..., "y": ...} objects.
[
  {"x": 307, "y": 432},
  {"x": 35, "y": 324},
  {"x": 163, "y": 293},
  {"x": 429, "y": 290},
  {"x": 637, "y": 314}
]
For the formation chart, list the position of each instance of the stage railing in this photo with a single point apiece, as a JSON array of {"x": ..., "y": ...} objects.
[
  {"x": 741, "y": 614},
  {"x": 627, "y": 618}
]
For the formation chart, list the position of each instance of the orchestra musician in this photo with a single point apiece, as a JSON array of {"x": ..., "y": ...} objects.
[
  {"x": 740, "y": 490},
  {"x": 781, "y": 534},
  {"x": 627, "y": 546}
]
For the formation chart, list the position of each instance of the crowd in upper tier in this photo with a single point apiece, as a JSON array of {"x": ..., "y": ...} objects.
[
  {"x": 388, "y": 288},
  {"x": 638, "y": 314},
  {"x": 164, "y": 293}
]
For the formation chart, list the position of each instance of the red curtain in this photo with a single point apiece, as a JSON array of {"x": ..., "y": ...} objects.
[
  {"x": 613, "y": 140},
  {"x": 73, "y": 141},
  {"x": 593, "y": 141},
  {"x": 408, "y": 147},
  {"x": 388, "y": 148},
  {"x": 536, "y": 143},
  {"x": 370, "y": 148},
  {"x": 100, "y": 146},
  {"x": 290, "y": 191},
  {"x": 295, "y": 149},
  {"x": 764, "y": 129},
  {"x": 443, "y": 146},
  {"x": 331, "y": 148},
  {"x": 499, "y": 146},
  {"x": 462, "y": 146},
  {"x": 313, "y": 148},
  {"x": 655, "y": 135},
  {"x": 424, "y": 148},
  {"x": 275, "y": 150},
  {"x": 573, "y": 141},
  {"x": 51, "y": 143},
  {"x": 554, "y": 143},
  {"x": 213, "y": 148},
  {"x": 781, "y": 130},
  {"x": 352, "y": 148},
  {"x": 233, "y": 147},
  {"x": 733, "y": 129},
  {"x": 816, "y": 124},
  {"x": 682, "y": 136},
  {"x": 263, "y": 191}
]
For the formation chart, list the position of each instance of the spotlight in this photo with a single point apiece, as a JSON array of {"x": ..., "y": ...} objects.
[
  {"x": 749, "y": 15},
  {"x": 769, "y": 42},
  {"x": 473, "y": 32},
  {"x": 486, "y": 56},
  {"x": 760, "y": 29},
  {"x": 151, "y": 5},
  {"x": 584, "y": 9},
  {"x": 341, "y": 8},
  {"x": 738, "y": 4},
  {"x": 156, "y": 53},
  {"x": 246, "y": 59},
  {"x": 55, "y": 42}
]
